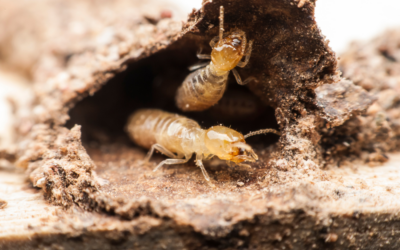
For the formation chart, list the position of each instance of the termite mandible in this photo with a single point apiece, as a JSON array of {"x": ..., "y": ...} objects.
[
  {"x": 179, "y": 138},
  {"x": 204, "y": 87}
]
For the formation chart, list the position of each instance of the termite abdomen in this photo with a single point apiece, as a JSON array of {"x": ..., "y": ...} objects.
[
  {"x": 205, "y": 87},
  {"x": 200, "y": 90}
]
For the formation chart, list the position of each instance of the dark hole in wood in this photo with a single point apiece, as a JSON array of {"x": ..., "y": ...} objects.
[{"x": 152, "y": 83}]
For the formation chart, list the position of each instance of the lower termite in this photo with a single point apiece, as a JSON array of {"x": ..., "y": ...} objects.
[
  {"x": 204, "y": 87},
  {"x": 179, "y": 138}
]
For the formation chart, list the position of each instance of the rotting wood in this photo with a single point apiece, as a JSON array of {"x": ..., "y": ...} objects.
[
  {"x": 342, "y": 100},
  {"x": 373, "y": 65},
  {"x": 286, "y": 200},
  {"x": 301, "y": 218},
  {"x": 289, "y": 61}
]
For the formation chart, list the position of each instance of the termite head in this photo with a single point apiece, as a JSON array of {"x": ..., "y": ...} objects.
[
  {"x": 228, "y": 144},
  {"x": 228, "y": 51}
]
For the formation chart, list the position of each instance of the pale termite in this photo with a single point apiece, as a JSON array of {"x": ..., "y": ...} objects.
[
  {"x": 179, "y": 138},
  {"x": 204, "y": 87}
]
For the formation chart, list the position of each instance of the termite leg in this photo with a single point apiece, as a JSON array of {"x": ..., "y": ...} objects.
[
  {"x": 198, "y": 66},
  {"x": 244, "y": 165},
  {"x": 172, "y": 162},
  {"x": 199, "y": 163},
  {"x": 221, "y": 22},
  {"x": 208, "y": 157},
  {"x": 161, "y": 149},
  {"x": 239, "y": 80},
  {"x": 247, "y": 57},
  {"x": 203, "y": 56},
  {"x": 213, "y": 41},
  {"x": 244, "y": 42}
]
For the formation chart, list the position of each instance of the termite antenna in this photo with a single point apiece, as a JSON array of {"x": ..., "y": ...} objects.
[
  {"x": 221, "y": 22},
  {"x": 263, "y": 131}
]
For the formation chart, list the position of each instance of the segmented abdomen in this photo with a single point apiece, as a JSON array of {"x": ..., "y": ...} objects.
[
  {"x": 150, "y": 126},
  {"x": 201, "y": 89}
]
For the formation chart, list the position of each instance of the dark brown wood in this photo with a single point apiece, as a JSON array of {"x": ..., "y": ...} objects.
[{"x": 88, "y": 188}]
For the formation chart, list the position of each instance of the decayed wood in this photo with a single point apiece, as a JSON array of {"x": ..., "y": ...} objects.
[
  {"x": 29, "y": 222},
  {"x": 284, "y": 82},
  {"x": 287, "y": 199},
  {"x": 373, "y": 65},
  {"x": 38, "y": 38},
  {"x": 24, "y": 207},
  {"x": 361, "y": 211},
  {"x": 342, "y": 100}
]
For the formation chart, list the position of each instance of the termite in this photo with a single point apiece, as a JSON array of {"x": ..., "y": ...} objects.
[
  {"x": 179, "y": 138},
  {"x": 204, "y": 87}
]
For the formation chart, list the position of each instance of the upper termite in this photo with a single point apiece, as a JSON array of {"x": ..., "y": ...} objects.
[
  {"x": 179, "y": 138},
  {"x": 205, "y": 87}
]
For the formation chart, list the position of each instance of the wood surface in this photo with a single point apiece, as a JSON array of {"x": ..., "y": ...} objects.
[
  {"x": 362, "y": 213},
  {"x": 84, "y": 185}
]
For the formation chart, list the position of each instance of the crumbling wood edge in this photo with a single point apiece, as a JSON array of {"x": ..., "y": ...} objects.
[
  {"x": 294, "y": 229},
  {"x": 294, "y": 80},
  {"x": 8, "y": 155},
  {"x": 46, "y": 226}
]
